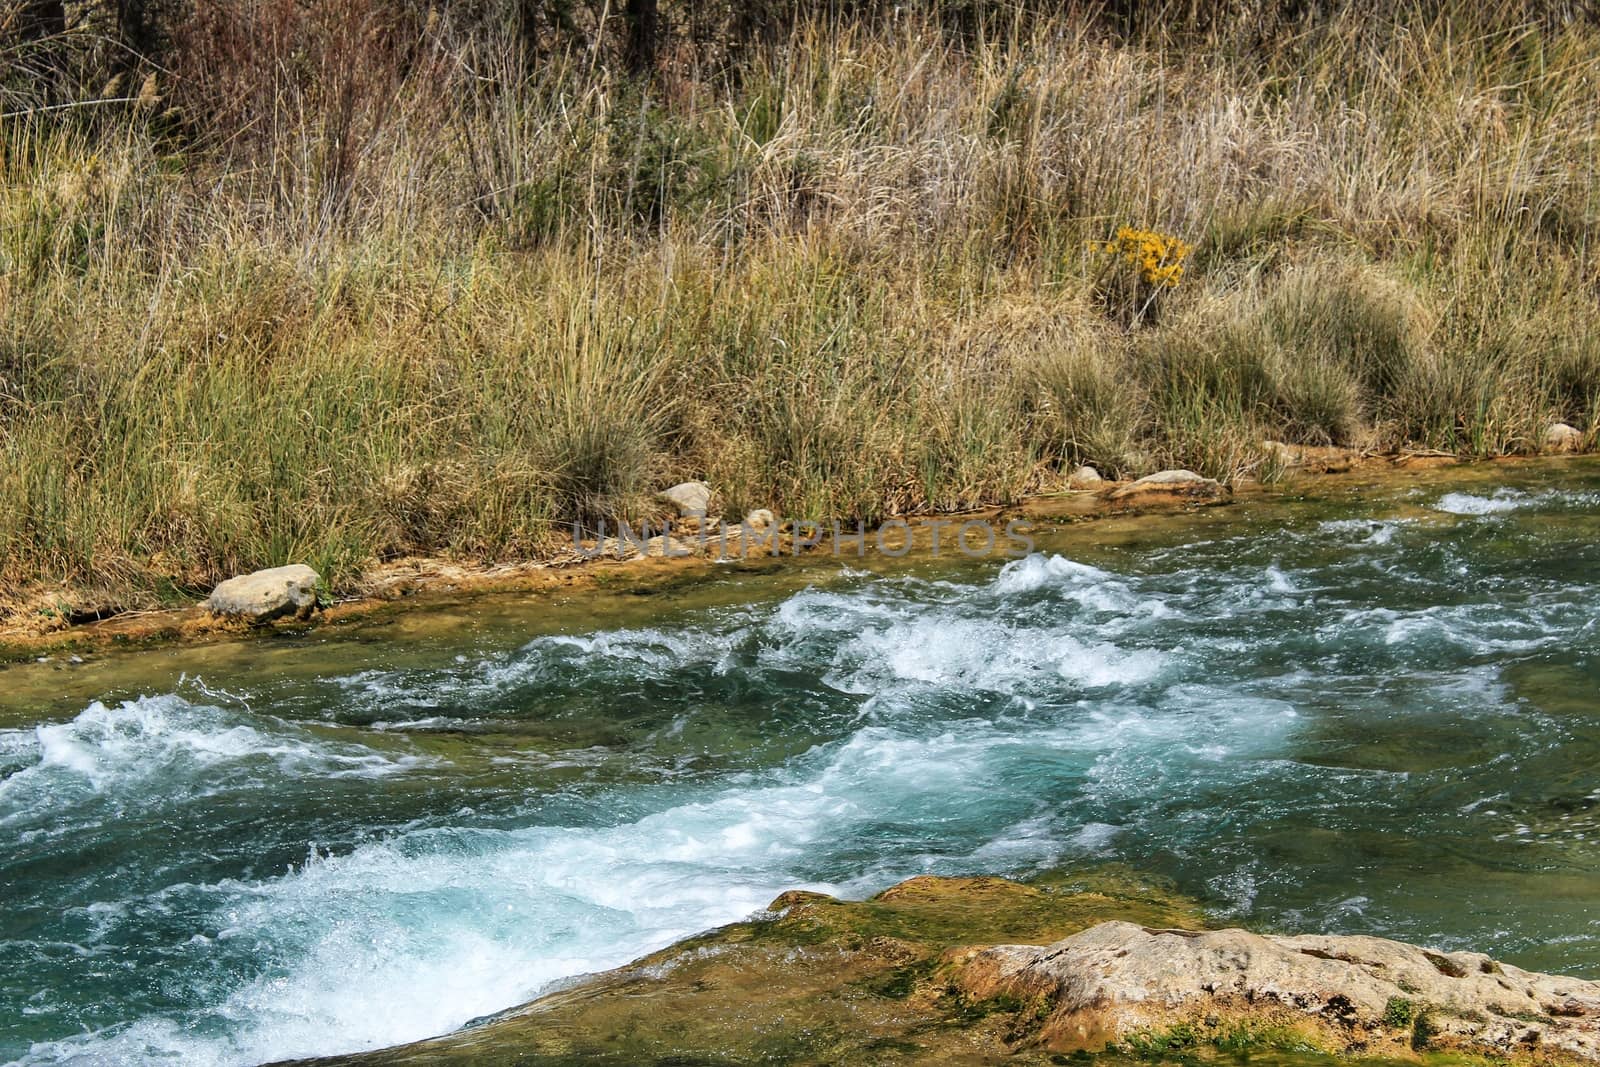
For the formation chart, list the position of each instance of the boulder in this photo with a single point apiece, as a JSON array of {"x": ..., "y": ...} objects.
[
  {"x": 690, "y": 498},
  {"x": 267, "y": 595},
  {"x": 759, "y": 519},
  {"x": 1118, "y": 979},
  {"x": 1085, "y": 477},
  {"x": 1174, "y": 486},
  {"x": 1560, "y": 437}
]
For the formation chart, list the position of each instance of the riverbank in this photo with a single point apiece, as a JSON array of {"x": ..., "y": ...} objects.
[
  {"x": 258, "y": 304},
  {"x": 940, "y": 970},
  {"x": 43, "y": 628}
]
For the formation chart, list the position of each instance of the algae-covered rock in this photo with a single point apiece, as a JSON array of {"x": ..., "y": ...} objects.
[
  {"x": 815, "y": 981},
  {"x": 1124, "y": 975}
]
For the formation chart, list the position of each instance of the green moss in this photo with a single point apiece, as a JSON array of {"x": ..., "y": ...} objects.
[
  {"x": 1423, "y": 1031},
  {"x": 1154, "y": 1044},
  {"x": 901, "y": 982},
  {"x": 1399, "y": 1013},
  {"x": 1188, "y": 1041},
  {"x": 968, "y": 1012},
  {"x": 1248, "y": 1037}
]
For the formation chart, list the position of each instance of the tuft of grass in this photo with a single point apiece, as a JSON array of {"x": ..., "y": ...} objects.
[
  {"x": 1158, "y": 1044},
  {"x": 1092, "y": 407},
  {"x": 1399, "y": 1013}
]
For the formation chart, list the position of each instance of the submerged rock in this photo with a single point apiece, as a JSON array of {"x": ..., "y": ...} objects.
[
  {"x": 1560, "y": 437},
  {"x": 1119, "y": 981},
  {"x": 266, "y": 595},
  {"x": 1170, "y": 487}
]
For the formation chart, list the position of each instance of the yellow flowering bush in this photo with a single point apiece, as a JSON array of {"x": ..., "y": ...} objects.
[
  {"x": 1157, "y": 256},
  {"x": 1140, "y": 266}
]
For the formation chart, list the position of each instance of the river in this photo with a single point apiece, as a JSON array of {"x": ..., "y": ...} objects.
[{"x": 1364, "y": 708}]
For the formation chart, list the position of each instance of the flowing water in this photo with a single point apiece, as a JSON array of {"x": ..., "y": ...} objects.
[{"x": 1365, "y": 711}]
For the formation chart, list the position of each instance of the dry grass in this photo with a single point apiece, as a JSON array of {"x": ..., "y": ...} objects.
[{"x": 455, "y": 300}]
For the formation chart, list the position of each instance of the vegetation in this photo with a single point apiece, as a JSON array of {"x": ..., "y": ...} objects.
[
  {"x": 1188, "y": 1042},
  {"x": 261, "y": 303},
  {"x": 1399, "y": 1013}
]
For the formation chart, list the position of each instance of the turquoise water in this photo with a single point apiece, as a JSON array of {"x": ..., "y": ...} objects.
[{"x": 1366, "y": 711}]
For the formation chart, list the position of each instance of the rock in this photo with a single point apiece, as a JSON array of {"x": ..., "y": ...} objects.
[
  {"x": 1562, "y": 438},
  {"x": 822, "y": 981},
  {"x": 667, "y": 547},
  {"x": 1085, "y": 477},
  {"x": 759, "y": 519},
  {"x": 1119, "y": 978},
  {"x": 267, "y": 595},
  {"x": 690, "y": 498},
  {"x": 896, "y": 979},
  {"x": 1174, "y": 486}
]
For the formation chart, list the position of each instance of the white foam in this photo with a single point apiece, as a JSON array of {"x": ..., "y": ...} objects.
[
  {"x": 479, "y": 680},
  {"x": 1089, "y": 587},
  {"x": 1037, "y": 571},
  {"x": 1278, "y": 581},
  {"x": 1501, "y": 501},
  {"x": 130, "y": 747},
  {"x": 1371, "y": 531},
  {"x": 413, "y": 936},
  {"x": 946, "y": 650}
]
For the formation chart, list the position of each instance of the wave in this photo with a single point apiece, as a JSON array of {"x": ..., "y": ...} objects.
[
  {"x": 415, "y": 935},
  {"x": 150, "y": 748}
]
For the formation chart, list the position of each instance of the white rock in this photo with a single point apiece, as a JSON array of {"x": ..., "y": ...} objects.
[
  {"x": 267, "y": 595},
  {"x": 1172, "y": 485},
  {"x": 1562, "y": 438},
  {"x": 1085, "y": 477},
  {"x": 690, "y": 498},
  {"x": 1117, "y": 978}
]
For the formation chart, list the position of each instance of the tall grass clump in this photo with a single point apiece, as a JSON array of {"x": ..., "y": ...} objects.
[{"x": 348, "y": 281}]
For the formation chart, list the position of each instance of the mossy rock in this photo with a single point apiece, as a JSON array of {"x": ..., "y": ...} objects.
[
  {"x": 821, "y": 981},
  {"x": 824, "y": 981}
]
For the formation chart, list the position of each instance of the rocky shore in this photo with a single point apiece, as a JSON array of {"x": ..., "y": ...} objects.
[
  {"x": 295, "y": 597},
  {"x": 1101, "y": 965}
]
